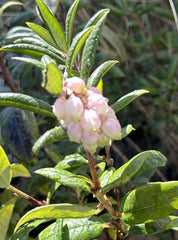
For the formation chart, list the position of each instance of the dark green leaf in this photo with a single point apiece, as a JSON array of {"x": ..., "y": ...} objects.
[
  {"x": 150, "y": 202},
  {"x": 19, "y": 130},
  {"x": 75, "y": 47},
  {"x": 70, "y": 20},
  {"x": 63, "y": 210},
  {"x": 26, "y": 102},
  {"x": 8, "y": 4},
  {"x": 5, "y": 169},
  {"x": 125, "y": 100},
  {"x": 99, "y": 73},
  {"x": 89, "y": 51},
  {"x": 138, "y": 164},
  {"x": 106, "y": 175},
  {"x": 53, "y": 135},
  {"x": 64, "y": 177},
  {"x": 18, "y": 170},
  {"x": 5, "y": 217},
  {"x": 172, "y": 69},
  {"x": 53, "y": 25},
  {"x": 155, "y": 227}
]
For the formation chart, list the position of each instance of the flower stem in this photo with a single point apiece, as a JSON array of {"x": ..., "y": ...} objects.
[{"x": 24, "y": 195}]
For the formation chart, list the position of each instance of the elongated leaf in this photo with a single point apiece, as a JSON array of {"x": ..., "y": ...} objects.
[
  {"x": 72, "y": 161},
  {"x": 8, "y": 4},
  {"x": 23, "y": 232},
  {"x": 70, "y": 20},
  {"x": 32, "y": 50},
  {"x": 53, "y": 25},
  {"x": 106, "y": 175},
  {"x": 18, "y": 170},
  {"x": 155, "y": 227},
  {"x": 5, "y": 216},
  {"x": 5, "y": 169},
  {"x": 140, "y": 163},
  {"x": 53, "y": 135},
  {"x": 126, "y": 130},
  {"x": 43, "y": 33},
  {"x": 75, "y": 47},
  {"x": 99, "y": 73},
  {"x": 32, "y": 61},
  {"x": 26, "y": 102},
  {"x": 96, "y": 17},
  {"x": 64, "y": 177},
  {"x": 150, "y": 202},
  {"x": 19, "y": 131},
  {"x": 89, "y": 51},
  {"x": 125, "y": 100},
  {"x": 64, "y": 210}
]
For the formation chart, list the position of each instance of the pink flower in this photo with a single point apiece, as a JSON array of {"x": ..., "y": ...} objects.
[
  {"x": 73, "y": 108},
  {"x": 74, "y": 131},
  {"x": 111, "y": 127},
  {"x": 91, "y": 90},
  {"x": 89, "y": 141},
  {"x": 59, "y": 108},
  {"x": 75, "y": 84},
  {"x": 103, "y": 140},
  {"x": 90, "y": 121},
  {"x": 98, "y": 103}
]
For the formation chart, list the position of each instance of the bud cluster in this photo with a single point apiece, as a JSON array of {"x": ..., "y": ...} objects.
[{"x": 86, "y": 115}]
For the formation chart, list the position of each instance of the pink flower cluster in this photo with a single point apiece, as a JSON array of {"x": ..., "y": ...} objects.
[{"x": 86, "y": 115}]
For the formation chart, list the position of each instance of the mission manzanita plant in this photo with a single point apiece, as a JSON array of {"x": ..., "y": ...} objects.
[{"x": 83, "y": 115}]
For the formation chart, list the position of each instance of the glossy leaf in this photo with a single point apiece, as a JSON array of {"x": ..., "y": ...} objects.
[
  {"x": 54, "y": 79},
  {"x": 26, "y": 102},
  {"x": 53, "y": 25},
  {"x": 54, "y": 211},
  {"x": 154, "y": 227},
  {"x": 53, "y": 135},
  {"x": 43, "y": 33},
  {"x": 72, "y": 161},
  {"x": 125, "y": 100},
  {"x": 75, "y": 47},
  {"x": 8, "y": 4},
  {"x": 95, "y": 18},
  {"x": 19, "y": 170},
  {"x": 99, "y": 73},
  {"x": 150, "y": 202},
  {"x": 138, "y": 164},
  {"x": 32, "y": 61},
  {"x": 64, "y": 177},
  {"x": 5, "y": 169},
  {"x": 89, "y": 51},
  {"x": 23, "y": 232},
  {"x": 19, "y": 131},
  {"x": 5, "y": 217},
  {"x": 126, "y": 130},
  {"x": 106, "y": 175},
  {"x": 70, "y": 20},
  {"x": 52, "y": 232}
]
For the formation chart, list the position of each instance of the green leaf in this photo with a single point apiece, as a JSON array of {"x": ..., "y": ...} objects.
[
  {"x": 70, "y": 20},
  {"x": 43, "y": 33},
  {"x": 138, "y": 164},
  {"x": 96, "y": 17},
  {"x": 5, "y": 216},
  {"x": 89, "y": 51},
  {"x": 155, "y": 227},
  {"x": 72, "y": 161},
  {"x": 54, "y": 79},
  {"x": 18, "y": 170},
  {"x": 52, "y": 232},
  {"x": 32, "y": 50},
  {"x": 52, "y": 25},
  {"x": 54, "y": 211},
  {"x": 8, "y": 4},
  {"x": 99, "y": 73},
  {"x": 5, "y": 170},
  {"x": 75, "y": 47},
  {"x": 150, "y": 202},
  {"x": 53, "y": 135},
  {"x": 23, "y": 232},
  {"x": 172, "y": 69},
  {"x": 126, "y": 130},
  {"x": 64, "y": 177},
  {"x": 32, "y": 61},
  {"x": 106, "y": 175},
  {"x": 19, "y": 131},
  {"x": 125, "y": 100},
  {"x": 26, "y": 102}
]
